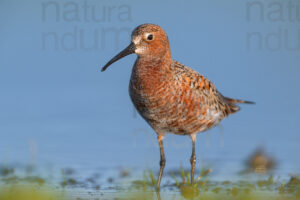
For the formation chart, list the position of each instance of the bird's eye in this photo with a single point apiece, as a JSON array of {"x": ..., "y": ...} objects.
[{"x": 150, "y": 37}]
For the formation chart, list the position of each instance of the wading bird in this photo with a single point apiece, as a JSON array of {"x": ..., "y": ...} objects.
[{"x": 170, "y": 96}]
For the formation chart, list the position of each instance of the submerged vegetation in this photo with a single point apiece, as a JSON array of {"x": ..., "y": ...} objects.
[
  {"x": 26, "y": 186},
  {"x": 30, "y": 186},
  {"x": 28, "y": 192},
  {"x": 203, "y": 188}
]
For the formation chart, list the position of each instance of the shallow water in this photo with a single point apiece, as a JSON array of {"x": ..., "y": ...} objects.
[
  {"x": 58, "y": 111},
  {"x": 69, "y": 184}
]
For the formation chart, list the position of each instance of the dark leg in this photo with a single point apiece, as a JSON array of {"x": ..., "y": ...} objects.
[
  {"x": 193, "y": 160},
  {"x": 158, "y": 195},
  {"x": 162, "y": 162}
]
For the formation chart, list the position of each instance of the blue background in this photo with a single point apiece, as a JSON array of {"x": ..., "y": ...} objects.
[{"x": 56, "y": 107}]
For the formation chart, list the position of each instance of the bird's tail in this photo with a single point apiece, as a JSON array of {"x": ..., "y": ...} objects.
[
  {"x": 232, "y": 107},
  {"x": 230, "y": 100}
]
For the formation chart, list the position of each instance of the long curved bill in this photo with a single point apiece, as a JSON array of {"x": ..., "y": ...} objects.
[{"x": 128, "y": 50}]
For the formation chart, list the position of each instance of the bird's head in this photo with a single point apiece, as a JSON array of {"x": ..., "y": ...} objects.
[{"x": 148, "y": 41}]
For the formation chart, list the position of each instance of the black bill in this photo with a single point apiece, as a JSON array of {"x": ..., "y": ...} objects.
[{"x": 128, "y": 50}]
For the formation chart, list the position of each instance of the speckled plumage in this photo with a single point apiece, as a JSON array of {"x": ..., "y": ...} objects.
[
  {"x": 170, "y": 96},
  {"x": 177, "y": 99}
]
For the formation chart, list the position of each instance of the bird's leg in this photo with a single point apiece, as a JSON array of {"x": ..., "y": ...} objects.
[
  {"x": 193, "y": 159},
  {"x": 158, "y": 195},
  {"x": 162, "y": 162}
]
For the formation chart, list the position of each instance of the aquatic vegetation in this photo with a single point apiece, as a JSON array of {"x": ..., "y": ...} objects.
[
  {"x": 69, "y": 186},
  {"x": 147, "y": 183},
  {"x": 188, "y": 189},
  {"x": 66, "y": 180},
  {"x": 27, "y": 179},
  {"x": 28, "y": 192},
  {"x": 204, "y": 188}
]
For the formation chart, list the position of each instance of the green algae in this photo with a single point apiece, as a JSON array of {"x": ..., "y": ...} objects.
[{"x": 32, "y": 186}]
